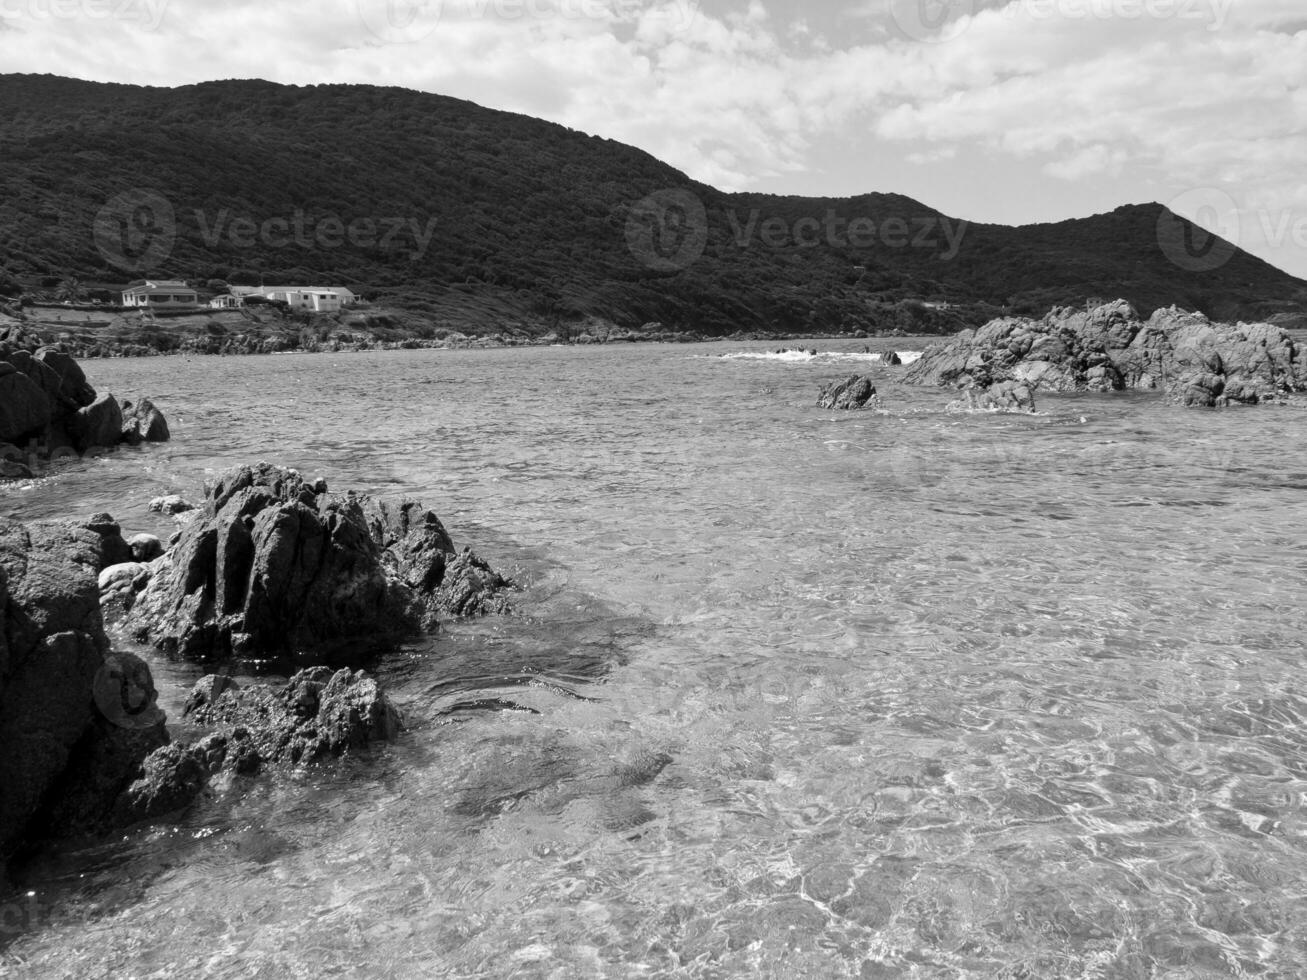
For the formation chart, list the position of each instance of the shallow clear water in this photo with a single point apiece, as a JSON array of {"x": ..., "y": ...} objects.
[{"x": 899, "y": 693}]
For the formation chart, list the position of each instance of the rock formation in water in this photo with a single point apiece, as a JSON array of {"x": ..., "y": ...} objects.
[
  {"x": 1001, "y": 396},
  {"x": 276, "y": 566},
  {"x": 48, "y": 408},
  {"x": 75, "y": 720},
  {"x": 1195, "y": 361},
  {"x": 852, "y": 393},
  {"x": 318, "y": 715}
]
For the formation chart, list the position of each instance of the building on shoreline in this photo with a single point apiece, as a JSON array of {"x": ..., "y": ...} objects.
[
  {"x": 311, "y": 299},
  {"x": 162, "y": 295}
]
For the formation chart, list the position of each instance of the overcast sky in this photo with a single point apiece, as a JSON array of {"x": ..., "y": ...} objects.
[{"x": 1012, "y": 112}]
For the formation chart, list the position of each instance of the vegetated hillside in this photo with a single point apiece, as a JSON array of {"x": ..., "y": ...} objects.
[{"x": 475, "y": 216}]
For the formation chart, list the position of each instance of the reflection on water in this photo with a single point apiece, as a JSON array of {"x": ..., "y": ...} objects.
[{"x": 794, "y": 693}]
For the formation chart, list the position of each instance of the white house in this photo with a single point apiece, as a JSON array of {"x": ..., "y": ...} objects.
[
  {"x": 166, "y": 295},
  {"x": 228, "y": 301},
  {"x": 315, "y": 299}
]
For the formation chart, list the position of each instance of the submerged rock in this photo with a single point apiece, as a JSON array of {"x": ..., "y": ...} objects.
[
  {"x": 852, "y": 393},
  {"x": 1109, "y": 348},
  {"x": 318, "y": 715},
  {"x": 276, "y": 566}
]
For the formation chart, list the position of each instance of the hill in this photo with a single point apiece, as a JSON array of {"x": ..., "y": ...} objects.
[{"x": 477, "y": 217}]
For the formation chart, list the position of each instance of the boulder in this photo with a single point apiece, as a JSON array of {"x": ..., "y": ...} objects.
[
  {"x": 852, "y": 393},
  {"x": 1007, "y": 396},
  {"x": 276, "y": 566},
  {"x": 74, "y": 390},
  {"x": 1109, "y": 348},
  {"x": 170, "y": 504},
  {"x": 60, "y": 751},
  {"x": 98, "y": 425},
  {"x": 45, "y": 397},
  {"x": 145, "y": 547},
  {"x": 119, "y": 585},
  {"x": 143, "y": 422},
  {"x": 25, "y": 410}
]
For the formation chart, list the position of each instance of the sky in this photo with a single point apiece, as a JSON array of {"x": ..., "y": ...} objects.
[{"x": 1005, "y": 111}]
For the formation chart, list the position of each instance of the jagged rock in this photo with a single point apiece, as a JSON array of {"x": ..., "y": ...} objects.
[
  {"x": 171, "y": 777},
  {"x": 469, "y": 587},
  {"x": 276, "y": 566},
  {"x": 143, "y": 422},
  {"x": 318, "y": 714},
  {"x": 58, "y": 746},
  {"x": 1110, "y": 349},
  {"x": 851, "y": 393},
  {"x": 170, "y": 504},
  {"x": 891, "y": 359}
]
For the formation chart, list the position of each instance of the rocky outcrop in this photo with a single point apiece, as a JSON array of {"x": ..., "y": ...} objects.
[
  {"x": 47, "y": 406},
  {"x": 318, "y": 715},
  {"x": 852, "y": 393},
  {"x": 276, "y": 566},
  {"x": 1002, "y": 396},
  {"x": 74, "y": 720},
  {"x": 1110, "y": 348}
]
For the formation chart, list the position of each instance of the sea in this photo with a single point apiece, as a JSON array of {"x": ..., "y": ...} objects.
[{"x": 787, "y": 692}]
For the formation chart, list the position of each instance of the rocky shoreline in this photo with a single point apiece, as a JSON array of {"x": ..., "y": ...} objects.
[{"x": 269, "y": 567}]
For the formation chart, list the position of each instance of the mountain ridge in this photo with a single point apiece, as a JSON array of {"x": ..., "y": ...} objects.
[{"x": 497, "y": 216}]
